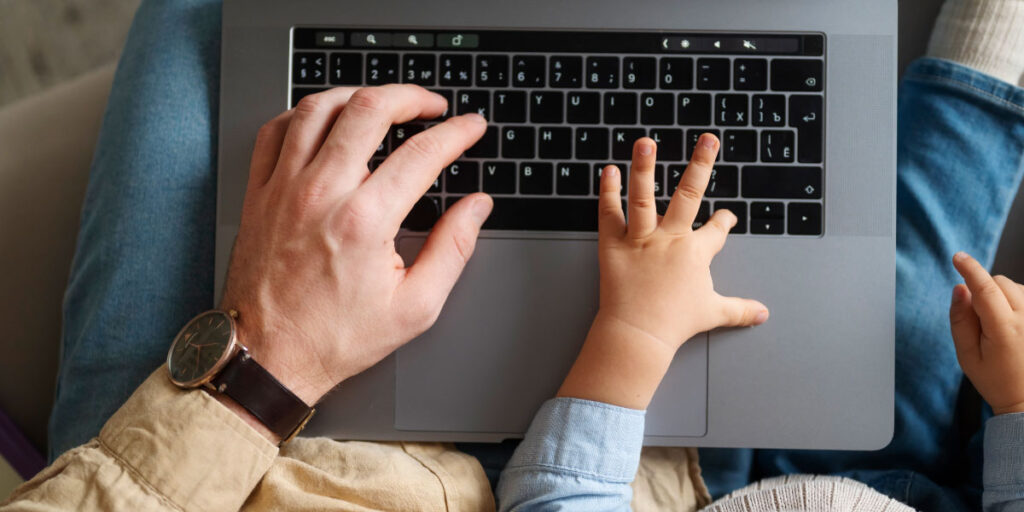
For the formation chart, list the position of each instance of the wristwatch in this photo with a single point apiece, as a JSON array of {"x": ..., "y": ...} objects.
[{"x": 207, "y": 353}]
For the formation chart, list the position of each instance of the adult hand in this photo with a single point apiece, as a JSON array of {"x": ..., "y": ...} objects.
[
  {"x": 656, "y": 287},
  {"x": 987, "y": 320},
  {"x": 322, "y": 293}
]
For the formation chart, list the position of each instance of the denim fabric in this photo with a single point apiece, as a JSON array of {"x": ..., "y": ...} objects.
[{"x": 144, "y": 261}]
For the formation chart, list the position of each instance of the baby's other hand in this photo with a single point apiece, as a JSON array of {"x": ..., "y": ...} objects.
[{"x": 987, "y": 320}]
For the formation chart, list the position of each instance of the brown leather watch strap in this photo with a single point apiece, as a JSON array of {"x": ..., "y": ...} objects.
[{"x": 255, "y": 389}]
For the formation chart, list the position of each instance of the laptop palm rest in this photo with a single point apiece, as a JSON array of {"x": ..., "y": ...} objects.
[{"x": 507, "y": 336}]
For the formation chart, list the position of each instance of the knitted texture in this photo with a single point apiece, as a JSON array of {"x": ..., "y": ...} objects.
[
  {"x": 987, "y": 35},
  {"x": 807, "y": 493}
]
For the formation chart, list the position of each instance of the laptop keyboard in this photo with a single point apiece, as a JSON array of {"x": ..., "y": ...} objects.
[{"x": 562, "y": 105}]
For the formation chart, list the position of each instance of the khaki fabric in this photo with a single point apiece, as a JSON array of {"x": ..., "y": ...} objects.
[{"x": 169, "y": 449}]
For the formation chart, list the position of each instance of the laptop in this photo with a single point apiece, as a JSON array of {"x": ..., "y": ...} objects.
[{"x": 802, "y": 94}]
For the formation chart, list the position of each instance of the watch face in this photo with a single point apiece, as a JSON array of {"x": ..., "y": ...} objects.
[{"x": 200, "y": 348}]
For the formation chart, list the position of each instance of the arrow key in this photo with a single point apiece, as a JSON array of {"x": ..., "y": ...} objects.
[
  {"x": 766, "y": 226},
  {"x": 804, "y": 219}
]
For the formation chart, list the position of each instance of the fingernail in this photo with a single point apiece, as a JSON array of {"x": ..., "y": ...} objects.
[
  {"x": 481, "y": 210},
  {"x": 708, "y": 141},
  {"x": 960, "y": 256},
  {"x": 611, "y": 170},
  {"x": 645, "y": 149},
  {"x": 476, "y": 118},
  {"x": 958, "y": 294},
  {"x": 761, "y": 317}
]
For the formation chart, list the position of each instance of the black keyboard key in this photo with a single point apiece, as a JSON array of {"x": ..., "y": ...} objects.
[
  {"x": 517, "y": 142},
  {"x": 670, "y": 144},
  {"x": 750, "y": 74},
  {"x": 499, "y": 177},
  {"x": 473, "y": 101},
  {"x": 676, "y": 73},
  {"x": 528, "y": 71},
  {"x": 384, "y": 148},
  {"x": 799, "y": 75},
  {"x": 565, "y": 71},
  {"x": 510, "y": 106},
  {"x": 535, "y": 178},
  {"x": 487, "y": 146},
  {"x": 639, "y": 73},
  {"x": 419, "y": 69},
  {"x": 572, "y": 179},
  {"x": 602, "y": 72},
  {"x": 448, "y": 95},
  {"x": 301, "y": 92},
  {"x": 584, "y": 108},
  {"x": 513, "y": 213},
  {"x": 694, "y": 109},
  {"x": 713, "y": 74},
  {"x": 554, "y": 143},
  {"x": 806, "y": 116},
  {"x": 462, "y": 177},
  {"x": 740, "y": 146},
  {"x": 620, "y": 108},
  {"x": 402, "y": 133},
  {"x": 766, "y": 226},
  {"x": 659, "y": 183},
  {"x": 674, "y": 174},
  {"x": 763, "y": 210},
  {"x": 657, "y": 109},
  {"x": 768, "y": 110},
  {"x": 309, "y": 68},
  {"x": 381, "y": 68},
  {"x": 424, "y": 214},
  {"x": 456, "y": 70},
  {"x": 724, "y": 182},
  {"x": 591, "y": 143},
  {"x": 731, "y": 109},
  {"x": 346, "y": 69},
  {"x": 777, "y": 146},
  {"x": 804, "y": 219},
  {"x": 622, "y": 142},
  {"x": 740, "y": 210},
  {"x": 781, "y": 182},
  {"x": 546, "y": 107},
  {"x": 693, "y": 136},
  {"x": 492, "y": 70},
  {"x": 703, "y": 214}
]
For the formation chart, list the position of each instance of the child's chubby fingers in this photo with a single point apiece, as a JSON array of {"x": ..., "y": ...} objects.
[
  {"x": 964, "y": 325},
  {"x": 740, "y": 312},
  {"x": 610, "y": 219},
  {"x": 715, "y": 231},
  {"x": 643, "y": 216},
  {"x": 987, "y": 297},
  {"x": 682, "y": 210},
  {"x": 1013, "y": 292}
]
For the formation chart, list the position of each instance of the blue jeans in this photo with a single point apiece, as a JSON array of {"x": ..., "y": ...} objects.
[{"x": 145, "y": 251}]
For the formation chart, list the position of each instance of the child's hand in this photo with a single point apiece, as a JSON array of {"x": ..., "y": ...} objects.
[
  {"x": 656, "y": 288},
  {"x": 987, "y": 320}
]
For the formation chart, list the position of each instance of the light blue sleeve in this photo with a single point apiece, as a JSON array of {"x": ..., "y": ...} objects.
[
  {"x": 577, "y": 455},
  {"x": 1004, "y": 464}
]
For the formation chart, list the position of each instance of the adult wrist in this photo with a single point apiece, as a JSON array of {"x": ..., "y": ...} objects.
[{"x": 307, "y": 385}]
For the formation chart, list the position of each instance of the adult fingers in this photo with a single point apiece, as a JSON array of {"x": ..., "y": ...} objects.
[
  {"x": 988, "y": 299},
  {"x": 739, "y": 312},
  {"x": 267, "y": 148},
  {"x": 411, "y": 169},
  {"x": 1013, "y": 292},
  {"x": 363, "y": 123},
  {"x": 685, "y": 203},
  {"x": 715, "y": 231},
  {"x": 311, "y": 118},
  {"x": 440, "y": 262},
  {"x": 643, "y": 217},
  {"x": 964, "y": 325},
  {"x": 610, "y": 219}
]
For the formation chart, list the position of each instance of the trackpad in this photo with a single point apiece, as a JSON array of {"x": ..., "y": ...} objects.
[{"x": 507, "y": 336}]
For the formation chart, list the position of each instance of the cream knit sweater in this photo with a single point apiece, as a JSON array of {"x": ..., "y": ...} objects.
[{"x": 807, "y": 493}]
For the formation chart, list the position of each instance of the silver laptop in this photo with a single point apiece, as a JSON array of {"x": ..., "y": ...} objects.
[{"x": 802, "y": 94}]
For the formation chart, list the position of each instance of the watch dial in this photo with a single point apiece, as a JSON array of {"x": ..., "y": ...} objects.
[{"x": 199, "y": 347}]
